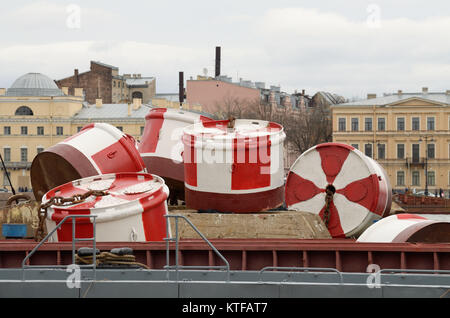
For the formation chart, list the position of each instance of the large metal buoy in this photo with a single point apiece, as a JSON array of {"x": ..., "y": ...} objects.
[
  {"x": 161, "y": 146},
  {"x": 404, "y": 227},
  {"x": 348, "y": 189},
  {"x": 129, "y": 207},
  {"x": 234, "y": 165},
  {"x": 98, "y": 148}
]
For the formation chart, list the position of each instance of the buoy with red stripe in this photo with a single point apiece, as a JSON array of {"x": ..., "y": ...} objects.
[
  {"x": 161, "y": 146},
  {"x": 404, "y": 227},
  {"x": 98, "y": 148},
  {"x": 132, "y": 211},
  {"x": 348, "y": 189},
  {"x": 234, "y": 166}
]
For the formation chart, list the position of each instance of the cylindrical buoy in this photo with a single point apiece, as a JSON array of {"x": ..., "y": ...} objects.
[
  {"x": 161, "y": 145},
  {"x": 348, "y": 189},
  {"x": 98, "y": 148},
  {"x": 234, "y": 165},
  {"x": 133, "y": 208},
  {"x": 404, "y": 227}
]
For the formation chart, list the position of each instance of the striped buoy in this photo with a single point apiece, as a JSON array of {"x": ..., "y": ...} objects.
[
  {"x": 98, "y": 148},
  {"x": 161, "y": 145},
  {"x": 133, "y": 209},
  {"x": 348, "y": 189},
  {"x": 234, "y": 166},
  {"x": 404, "y": 227}
]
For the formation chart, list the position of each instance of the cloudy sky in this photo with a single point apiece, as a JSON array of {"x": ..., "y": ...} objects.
[{"x": 346, "y": 47}]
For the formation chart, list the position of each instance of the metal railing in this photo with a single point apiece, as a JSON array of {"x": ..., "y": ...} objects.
[
  {"x": 74, "y": 240},
  {"x": 176, "y": 240},
  {"x": 304, "y": 269}
]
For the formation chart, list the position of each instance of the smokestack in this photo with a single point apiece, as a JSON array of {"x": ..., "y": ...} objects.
[
  {"x": 217, "y": 61},
  {"x": 181, "y": 88}
]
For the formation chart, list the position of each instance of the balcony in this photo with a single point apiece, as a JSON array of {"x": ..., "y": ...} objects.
[
  {"x": 15, "y": 165},
  {"x": 415, "y": 162}
]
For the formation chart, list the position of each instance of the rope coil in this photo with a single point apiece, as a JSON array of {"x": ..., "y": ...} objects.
[{"x": 107, "y": 258}]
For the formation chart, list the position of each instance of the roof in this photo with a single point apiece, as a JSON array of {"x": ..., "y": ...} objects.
[
  {"x": 138, "y": 81},
  {"x": 441, "y": 98},
  {"x": 332, "y": 98},
  {"x": 111, "y": 111},
  {"x": 105, "y": 65},
  {"x": 34, "y": 84}
]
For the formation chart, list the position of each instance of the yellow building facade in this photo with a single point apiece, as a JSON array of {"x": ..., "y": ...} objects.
[
  {"x": 35, "y": 114},
  {"x": 407, "y": 133}
]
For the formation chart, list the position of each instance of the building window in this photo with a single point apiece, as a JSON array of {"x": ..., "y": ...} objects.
[
  {"x": 24, "y": 111},
  {"x": 24, "y": 130},
  {"x": 39, "y": 150},
  {"x": 59, "y": 130},
  {"x": 355, "y": 124},
  {"x": 381, "y": 124},
  {"x": 431, "y": 177},
  {"x": 356, "y": 146},
  {"x": 381, "y": 151},
  {"x": 40, "y": 130},
  {"x": 7, "y": 154},
  {"x": 415, "y": 178},
  {"x": 341, "y": 125},
  {"x": 23, "y": 154},
  {"x": 7, "y": 130},
  {"x": 415, "y": 153},
  {"x": 120, "y": 128},
  {"x": 430, "y": 151},
  {"x": 368, "y": 124},
  {"x": 401, "y": 123},
  {"x": 368, "y": 150},
  {"x": 79, "y": 128},
  {"x": 430, "y": 123},
  {"x": 142, "y": 130},
  {"x": 400, "y": 178},
  {"x": 415, "y": 124},
  {"x": 400, "y": 151},
  {"x": 114, "y": 83}
]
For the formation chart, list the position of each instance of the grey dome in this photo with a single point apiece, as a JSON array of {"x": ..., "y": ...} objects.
[{"x": 34, "y": 84}]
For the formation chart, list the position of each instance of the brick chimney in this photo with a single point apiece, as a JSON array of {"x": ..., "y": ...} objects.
[
  {"x": 424, "y": 90},
  {"x": 98, "y": 103},
  {"x": 65, "y": 90}
]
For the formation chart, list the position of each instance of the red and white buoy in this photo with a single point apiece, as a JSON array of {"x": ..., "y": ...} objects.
[
  {"x": 413, "y": 228},
  {"x": 359, "y": 191},
  {"x": 133, "y": 209},
  {"x": 161, "y": 146},
  {"x": 98, "y": 148},
  {"x": 234, "y": 166}
]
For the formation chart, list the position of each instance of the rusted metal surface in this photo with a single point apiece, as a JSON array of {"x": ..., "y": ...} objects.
[
  {"x": 252, "y": 254},
  {"x": 422, "y": 204},
  {"x": 20, "y": 212}
]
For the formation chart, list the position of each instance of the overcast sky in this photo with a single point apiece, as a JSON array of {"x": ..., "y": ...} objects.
[{"x": 346, "y": 47}]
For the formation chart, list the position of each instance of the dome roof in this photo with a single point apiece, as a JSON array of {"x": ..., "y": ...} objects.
[{"x": 34, "y": 84}]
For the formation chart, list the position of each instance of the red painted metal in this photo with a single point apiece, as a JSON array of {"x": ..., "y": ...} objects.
[{"x": 251, "y": 254}]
